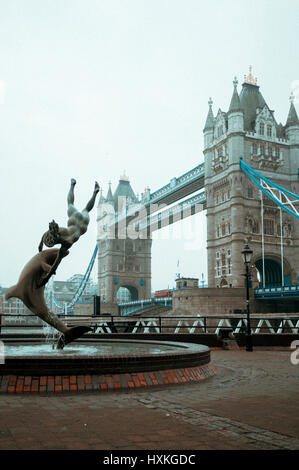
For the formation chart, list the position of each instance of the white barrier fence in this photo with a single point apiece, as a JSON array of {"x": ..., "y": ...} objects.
[{"x": 199, "y": 325}]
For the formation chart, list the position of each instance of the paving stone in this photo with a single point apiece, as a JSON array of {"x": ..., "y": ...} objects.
[{"x": 252, "y": 403}]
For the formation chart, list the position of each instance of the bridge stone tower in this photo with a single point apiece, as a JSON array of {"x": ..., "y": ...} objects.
[
  {"x": 248, "y": 130},
  {"x": 122, "y": 261}
]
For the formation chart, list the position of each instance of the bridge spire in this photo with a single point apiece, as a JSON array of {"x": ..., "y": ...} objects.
[
  {"x": 292, "y": 119},
  {"x": 235, "y": 104},
  {"x": 210, "y": 117},
  {"x": 101, "y": 198},
  {"x": 249, "y": 78},
  {"x": 109, "y": 197}
]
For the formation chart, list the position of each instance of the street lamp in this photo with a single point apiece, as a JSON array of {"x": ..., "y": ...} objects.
[{"x": 247, "y": 253}]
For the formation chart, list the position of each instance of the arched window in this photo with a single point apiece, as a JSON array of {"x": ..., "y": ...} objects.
[
  {"x": 269, "y": 131},
  {"x": 262, "y": 128}
]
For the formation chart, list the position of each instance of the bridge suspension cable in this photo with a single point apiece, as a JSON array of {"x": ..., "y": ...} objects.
[
  {"x": 281, "y": 196},
  {"x": 81, "y": 287},
  {"x": 285, "y": 200}
]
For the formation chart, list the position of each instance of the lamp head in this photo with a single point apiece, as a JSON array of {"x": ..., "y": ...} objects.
[{"x": 247, "y": 253}]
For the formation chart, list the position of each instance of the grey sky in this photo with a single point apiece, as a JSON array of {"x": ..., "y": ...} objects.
[{"x": 91, "y": 88}]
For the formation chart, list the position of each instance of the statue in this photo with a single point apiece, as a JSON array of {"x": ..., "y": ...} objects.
[
  {"x": 37, "y": 272},
  {"x": 66, "y": 237}
]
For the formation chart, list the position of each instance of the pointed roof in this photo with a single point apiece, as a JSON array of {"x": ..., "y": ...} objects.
[
  {"x": 235, "y": 103},
  {"x": 292, "y": 119},
  {"x": 124, "y": 194},
  {"x": 210, "y": 118},
  {"x": 251, "y": 99},
  {"x": 101, "y": 198},
  {"x": 124, "y": 189},
  {"x": 109, "y": 197}
]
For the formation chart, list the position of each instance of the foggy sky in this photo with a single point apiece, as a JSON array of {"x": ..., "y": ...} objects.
[{"x": 91, "y": 88}]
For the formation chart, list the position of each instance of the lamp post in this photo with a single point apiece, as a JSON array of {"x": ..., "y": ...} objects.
[{"x": 247, "y": 253}]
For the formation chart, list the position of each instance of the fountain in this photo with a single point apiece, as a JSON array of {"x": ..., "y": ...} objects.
[{"x": 106, "y": 361}]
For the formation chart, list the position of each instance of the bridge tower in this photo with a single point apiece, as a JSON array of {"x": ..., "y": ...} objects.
[
  {"x": 235, "y": 206},
  {"x": 122, "y": 261}
]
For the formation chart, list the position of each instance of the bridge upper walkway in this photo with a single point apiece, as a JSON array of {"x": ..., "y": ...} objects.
[{"x": 179, "y": 187}]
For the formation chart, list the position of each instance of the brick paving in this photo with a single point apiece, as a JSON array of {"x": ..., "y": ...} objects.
[
  {"x": 252, "y": 403},
  {"x": 99, "y": 383}
]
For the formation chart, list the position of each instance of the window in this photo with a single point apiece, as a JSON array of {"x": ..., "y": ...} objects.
[
  {"x": 262, "y": 149},
  {"x": 223, "y": 229},
  {"x": 262, "y": 128},
  {"x": 250, "y": 192},
  {"x": 255, "y": 227},
  {"x": 254, "y": 149},
  {"x": 269, "y": 131},
  {"x": 269, "y": 227}
]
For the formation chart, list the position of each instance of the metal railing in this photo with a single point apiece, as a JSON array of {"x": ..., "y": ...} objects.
[
  {"x": 276, "y": 292},
  {"x": 162, "y": 324}
]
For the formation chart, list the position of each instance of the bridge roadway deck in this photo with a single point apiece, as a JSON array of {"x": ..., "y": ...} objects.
[{"x": 252, "y": 403}]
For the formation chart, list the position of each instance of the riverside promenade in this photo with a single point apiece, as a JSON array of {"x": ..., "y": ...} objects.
[{"x": 251, "y": 403}]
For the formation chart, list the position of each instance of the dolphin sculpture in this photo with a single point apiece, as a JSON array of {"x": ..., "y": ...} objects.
[{"x": 30, "y": 289}]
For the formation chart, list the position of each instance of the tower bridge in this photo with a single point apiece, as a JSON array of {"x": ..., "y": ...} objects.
[
  {"x": 237, "y": 209},
  {"x": 248, "y": 185}
]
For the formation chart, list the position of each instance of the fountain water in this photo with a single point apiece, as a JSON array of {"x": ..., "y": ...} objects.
[{"x": 50, "y": 334}]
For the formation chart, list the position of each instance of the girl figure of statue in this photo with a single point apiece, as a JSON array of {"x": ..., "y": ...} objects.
[{"x": 76, "y": 226}]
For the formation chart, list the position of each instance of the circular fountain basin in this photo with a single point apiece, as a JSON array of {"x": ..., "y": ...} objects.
[{"x": 104, "y": 356}]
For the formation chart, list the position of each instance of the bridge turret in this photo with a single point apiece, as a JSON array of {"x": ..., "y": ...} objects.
[
  {"x": 249, "y": 130},
  {"x": 124, "y": 259},
  {"x": 292, "y": 124},
  {"x": 209, "y": 126},
  {"x": 235, "y": 112}
]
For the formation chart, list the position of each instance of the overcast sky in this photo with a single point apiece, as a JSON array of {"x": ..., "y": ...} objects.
[{"x": 90, "y": 88}]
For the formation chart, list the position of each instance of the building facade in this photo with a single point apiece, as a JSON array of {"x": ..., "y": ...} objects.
[{"x": 249, "y": 130}]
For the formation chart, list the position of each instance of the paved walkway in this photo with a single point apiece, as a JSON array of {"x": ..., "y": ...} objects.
[{"x": 252, "y": 403}]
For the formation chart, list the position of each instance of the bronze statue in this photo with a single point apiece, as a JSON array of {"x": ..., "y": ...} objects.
[
  {"x": 37, "y": 272},
  {"x": 32, "y": 294},
  {"x": 77, "y": 226}
]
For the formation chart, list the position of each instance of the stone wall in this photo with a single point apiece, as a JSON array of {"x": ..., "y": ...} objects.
[
  {"x": 83, "y": 309},
  {"x": 216, "y": 301},
  {"x": 208, "y": 301}
]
